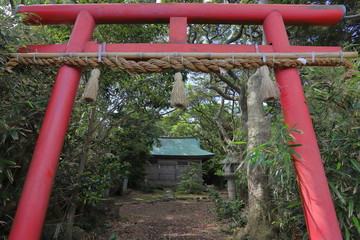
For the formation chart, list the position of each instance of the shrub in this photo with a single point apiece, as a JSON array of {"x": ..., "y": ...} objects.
[
  {"x": 191, "y": 179},
  {"x": 228, "y": 210}
]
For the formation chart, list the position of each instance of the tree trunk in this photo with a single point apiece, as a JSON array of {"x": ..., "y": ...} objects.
[
  {"x": 70, "y": 216},
  {"x": 70, "y": 219},
  {"x": 259, "y": 225}
]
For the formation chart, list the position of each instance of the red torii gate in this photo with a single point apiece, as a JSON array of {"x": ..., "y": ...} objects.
[{"x": 318, "y": 207}]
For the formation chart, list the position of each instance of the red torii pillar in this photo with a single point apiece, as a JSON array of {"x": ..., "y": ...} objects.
[
  {"x": 35, "y": 196},
  {"x": 315, "y": 193},
  {"x": 318, "y": 208}
]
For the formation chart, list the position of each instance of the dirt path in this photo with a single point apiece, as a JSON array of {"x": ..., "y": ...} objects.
[{"x": 175, "y": 219}]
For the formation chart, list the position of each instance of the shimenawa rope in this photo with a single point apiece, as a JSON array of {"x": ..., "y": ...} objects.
[{"x": 179, "y": 63}]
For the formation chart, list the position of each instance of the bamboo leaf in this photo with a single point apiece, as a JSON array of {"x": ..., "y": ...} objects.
[
  {"x": 337, "y": 192},
  {"x": 2, "y": 160},
  {"x": 261, "y": 146},
  {"x": 293, "y": 152},
  {"x": 9, "y": 176},
  {"x": 3, "y": 137},
  {"x": 287, "y": 168},
  {"x": 355, "y": 165},
  {"x": 293, "y": 205},
  {"x": 295, "y": 145},
  {"x": 338, "y": 166},
  {"x": 347, "y": 234},
  {"x": 351, "y": 207},
  {"x": 14, "y": 134},
  {"x": 356, "y": 223},
  {"x": 30, "y": 104}
]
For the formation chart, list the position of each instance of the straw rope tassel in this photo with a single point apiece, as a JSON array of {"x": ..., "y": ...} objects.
[
  {"x": 268, "y": 88},
  {"x": 92, "y": 86},
  {"x": 178, "y": 94}
]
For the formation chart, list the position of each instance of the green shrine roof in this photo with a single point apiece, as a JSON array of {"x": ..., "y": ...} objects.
[{"x": 179, "y": 147}]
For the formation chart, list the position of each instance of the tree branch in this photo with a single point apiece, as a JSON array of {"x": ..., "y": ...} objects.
[
  {"x": 352, "y": 16},
  {"x": 220, "y": 125},
  {"x": 204, "y": 115},
  {"x": 237, "y": 36},
  {"x": 12, "y": 5},
  {"x": 224, "y": 95},
  {"x": 192, "y": 39},
  {"x": 228, "y": 82},
  {"x": 241, "y": 90},
  {"x": 233, "y": 75}
]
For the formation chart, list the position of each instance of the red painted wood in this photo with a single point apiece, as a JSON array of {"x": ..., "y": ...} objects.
[
  {"x": 323, "y": 15},
  {"x": 319, "y": 211},
  {"x": 178, "y": 30},
  {"x": 35, "y": 196},
  {"x": 172, "y": 47},
  {"x": 318, "y": 207}
]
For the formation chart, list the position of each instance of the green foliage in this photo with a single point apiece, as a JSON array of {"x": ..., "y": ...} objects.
[
  {"x": 113, "y": 237},
  {"x": 214, "y": 166},
  {"x": 344, "y": 32},
  {"x": 277, "y": 153},
  {"x": 276, "y": 157},
  {"x": 191, "y": 179},
  {"x": 198, "y": 121},
  {"x": 147, "y": 187},
  {"x": 24, "y": 96},
  {"x": 229, "y": 211},
  {"x": 335, "y": 107},
  {"x": 126, "y": 111},
  {"x": 107, "y": 172},
  {"x": 6, "y": 176},
  {"x": 129, "y": 106}
]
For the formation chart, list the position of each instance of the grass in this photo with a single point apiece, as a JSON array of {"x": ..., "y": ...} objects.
[
  {"x": 184, "y": 195},
  {"x": 151, "y": 196},
  {"x": 122, "y": 217},
  {"x": 158, "y": 194}
]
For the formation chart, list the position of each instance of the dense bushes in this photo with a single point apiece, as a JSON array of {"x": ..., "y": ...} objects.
[{"x": 191, "y": 181}]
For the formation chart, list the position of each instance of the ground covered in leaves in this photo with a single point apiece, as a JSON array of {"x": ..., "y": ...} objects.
[{"x": 157, "y": 220}]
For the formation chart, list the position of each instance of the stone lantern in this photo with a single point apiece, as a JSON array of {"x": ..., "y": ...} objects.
[{"x": 231, "y": 163}]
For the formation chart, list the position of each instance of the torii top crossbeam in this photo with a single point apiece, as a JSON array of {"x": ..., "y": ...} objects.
[
  {"x": 253, "y": 14},
  {"x": 179, "y": 15},
  {"x": 318, "y": 208}
]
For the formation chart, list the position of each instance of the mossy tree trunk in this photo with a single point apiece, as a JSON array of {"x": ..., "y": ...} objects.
[
  {"x": 259, "y": 220},
  {"x": 259, "y": 225}
]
